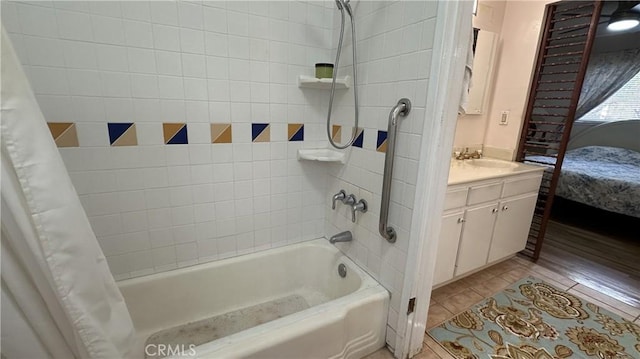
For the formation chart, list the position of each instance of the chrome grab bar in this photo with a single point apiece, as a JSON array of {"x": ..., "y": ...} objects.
[{"x": 402, "y": 108}]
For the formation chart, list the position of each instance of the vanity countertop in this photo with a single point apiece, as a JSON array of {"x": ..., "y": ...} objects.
[{"x": 462, "y": 171}]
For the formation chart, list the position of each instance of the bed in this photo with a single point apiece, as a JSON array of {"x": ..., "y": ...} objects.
[{"x": 601, "y": 168}]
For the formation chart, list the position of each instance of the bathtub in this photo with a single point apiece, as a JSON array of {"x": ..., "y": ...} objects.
[{"x": 287, "y": 302}]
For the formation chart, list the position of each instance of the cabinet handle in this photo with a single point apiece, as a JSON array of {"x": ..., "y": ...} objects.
[
  {"x": 461, "y": 220},
  {"x": 495, "y": 210},
  {"x": 505, "y": 208}
]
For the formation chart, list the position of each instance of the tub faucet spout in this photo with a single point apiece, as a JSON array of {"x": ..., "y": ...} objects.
[{"x": 345, "y": 236}]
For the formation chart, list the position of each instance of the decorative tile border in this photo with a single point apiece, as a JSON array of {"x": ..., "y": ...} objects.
[
  {"x": 358, "y": 142},
  {"x": 122, "y": 134},
  {"x": 295, "y": 132},
  {"x": 260, "y": 132},
  {"x": 125, "y": 134},
  {"x": 381, "y": 143},
  {"x": 221, "y": 133},
  {"x": 64, "y": 134},
  {"x": 175, "y": 133}
]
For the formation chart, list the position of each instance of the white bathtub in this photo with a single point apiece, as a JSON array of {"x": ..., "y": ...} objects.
[{"x": 345, "y": 318}]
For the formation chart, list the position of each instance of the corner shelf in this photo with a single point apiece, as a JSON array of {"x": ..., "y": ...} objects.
[
  {"x": 323, "y": 84},
  {"x": 321, "y": 155}
]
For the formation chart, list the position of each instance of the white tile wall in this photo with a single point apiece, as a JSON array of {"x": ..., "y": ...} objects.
[
  {"x": 155, "y": 207},
  {"x": 394, "y": 41}
]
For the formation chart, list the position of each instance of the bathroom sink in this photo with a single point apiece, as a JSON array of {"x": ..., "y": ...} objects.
[{"x": 490, "y": 163}]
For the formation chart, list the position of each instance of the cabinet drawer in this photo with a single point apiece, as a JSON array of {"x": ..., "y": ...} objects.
[
  {"x": 455, "y": 198},
  {"x": 485, "y": 193},
  {"x": 526, "y": 185}
]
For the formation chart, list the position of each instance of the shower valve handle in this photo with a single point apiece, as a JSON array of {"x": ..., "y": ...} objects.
[
  {"x": 340, "y": 196},
  {"x": 361, "y": 206}
]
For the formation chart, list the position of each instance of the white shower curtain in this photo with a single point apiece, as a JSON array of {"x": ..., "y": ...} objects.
[{"x": 59, "y": 299}]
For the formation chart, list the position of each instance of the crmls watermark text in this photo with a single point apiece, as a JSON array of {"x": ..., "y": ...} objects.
[{"x": 165, "y": 350}]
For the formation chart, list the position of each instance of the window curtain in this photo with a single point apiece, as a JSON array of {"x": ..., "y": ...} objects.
[
  {"x": 59, "y": 299},
  {"x": 607, "y": 73}
]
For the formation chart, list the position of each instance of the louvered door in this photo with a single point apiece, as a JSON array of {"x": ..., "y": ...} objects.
[{"x": 563, "y": 54}]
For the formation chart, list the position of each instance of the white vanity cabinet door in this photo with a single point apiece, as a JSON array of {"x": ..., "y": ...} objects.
[
  {"x": 476, "y": 237},
  {"x": 512, "y": 226},
  {"x": 448, "y": 247}
]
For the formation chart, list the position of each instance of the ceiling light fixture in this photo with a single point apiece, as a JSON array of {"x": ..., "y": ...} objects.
[{"x": 623, "y": 20}]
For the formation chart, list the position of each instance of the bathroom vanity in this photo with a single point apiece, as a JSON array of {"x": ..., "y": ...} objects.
[{"x": 487, "y": 213}]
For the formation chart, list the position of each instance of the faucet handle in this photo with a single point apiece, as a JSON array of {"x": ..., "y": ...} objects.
[
  {"x": 340, "y": 196},
  {"x": 361, "y": 206}
]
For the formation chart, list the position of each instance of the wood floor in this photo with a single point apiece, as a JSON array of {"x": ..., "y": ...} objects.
[{"x": 596, "y": 248}]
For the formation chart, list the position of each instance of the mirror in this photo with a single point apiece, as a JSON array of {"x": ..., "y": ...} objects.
[{"x": 485, "y": 45}]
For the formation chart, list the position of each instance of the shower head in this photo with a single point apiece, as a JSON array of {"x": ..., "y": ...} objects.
[{"x": 344, "y": 4}]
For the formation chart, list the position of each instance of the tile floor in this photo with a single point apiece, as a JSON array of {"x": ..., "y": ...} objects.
[{"x": 460, "y": 295}]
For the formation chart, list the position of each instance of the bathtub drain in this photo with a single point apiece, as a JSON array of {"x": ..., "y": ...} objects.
[{"x": 342, "y": 270}]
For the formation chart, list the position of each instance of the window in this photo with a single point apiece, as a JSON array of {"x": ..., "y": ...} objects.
[{"x": 622, "y": 105}]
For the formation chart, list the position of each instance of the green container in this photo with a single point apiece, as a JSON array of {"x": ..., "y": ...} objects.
[{"x": 324, "y": 71}]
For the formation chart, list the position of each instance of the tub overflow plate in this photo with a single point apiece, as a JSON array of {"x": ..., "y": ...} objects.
[{"x": 342, "y": 270}]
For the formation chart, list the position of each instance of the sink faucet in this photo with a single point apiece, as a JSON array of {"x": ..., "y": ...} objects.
[
  {"x": 476, "y": 154},
  {"x": 345, "y": 236},
  {"x": 466, "y": 155}
]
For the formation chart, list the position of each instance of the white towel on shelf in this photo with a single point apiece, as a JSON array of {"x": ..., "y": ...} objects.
[{"x": 468, "y": 72}]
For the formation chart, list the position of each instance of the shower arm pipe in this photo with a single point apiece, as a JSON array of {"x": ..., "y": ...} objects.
[{"x": 402, "y": 108}]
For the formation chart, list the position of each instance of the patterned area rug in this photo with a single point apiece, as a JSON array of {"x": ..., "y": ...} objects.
[{"x": 534, "y": 320}]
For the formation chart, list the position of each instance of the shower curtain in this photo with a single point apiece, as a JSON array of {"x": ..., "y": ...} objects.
[{"x": 59, "y": 299}]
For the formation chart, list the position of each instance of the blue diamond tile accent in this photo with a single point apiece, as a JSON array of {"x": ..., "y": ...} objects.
[
  {"x": 256, "y": 129},
  {"x": 381, "y": 141},
  {"x": 116, "y": 130},
  {"x": 180, "y": 138},
  {"x": 359, "y": 138},
  {"x": 298, "y": 135}
]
